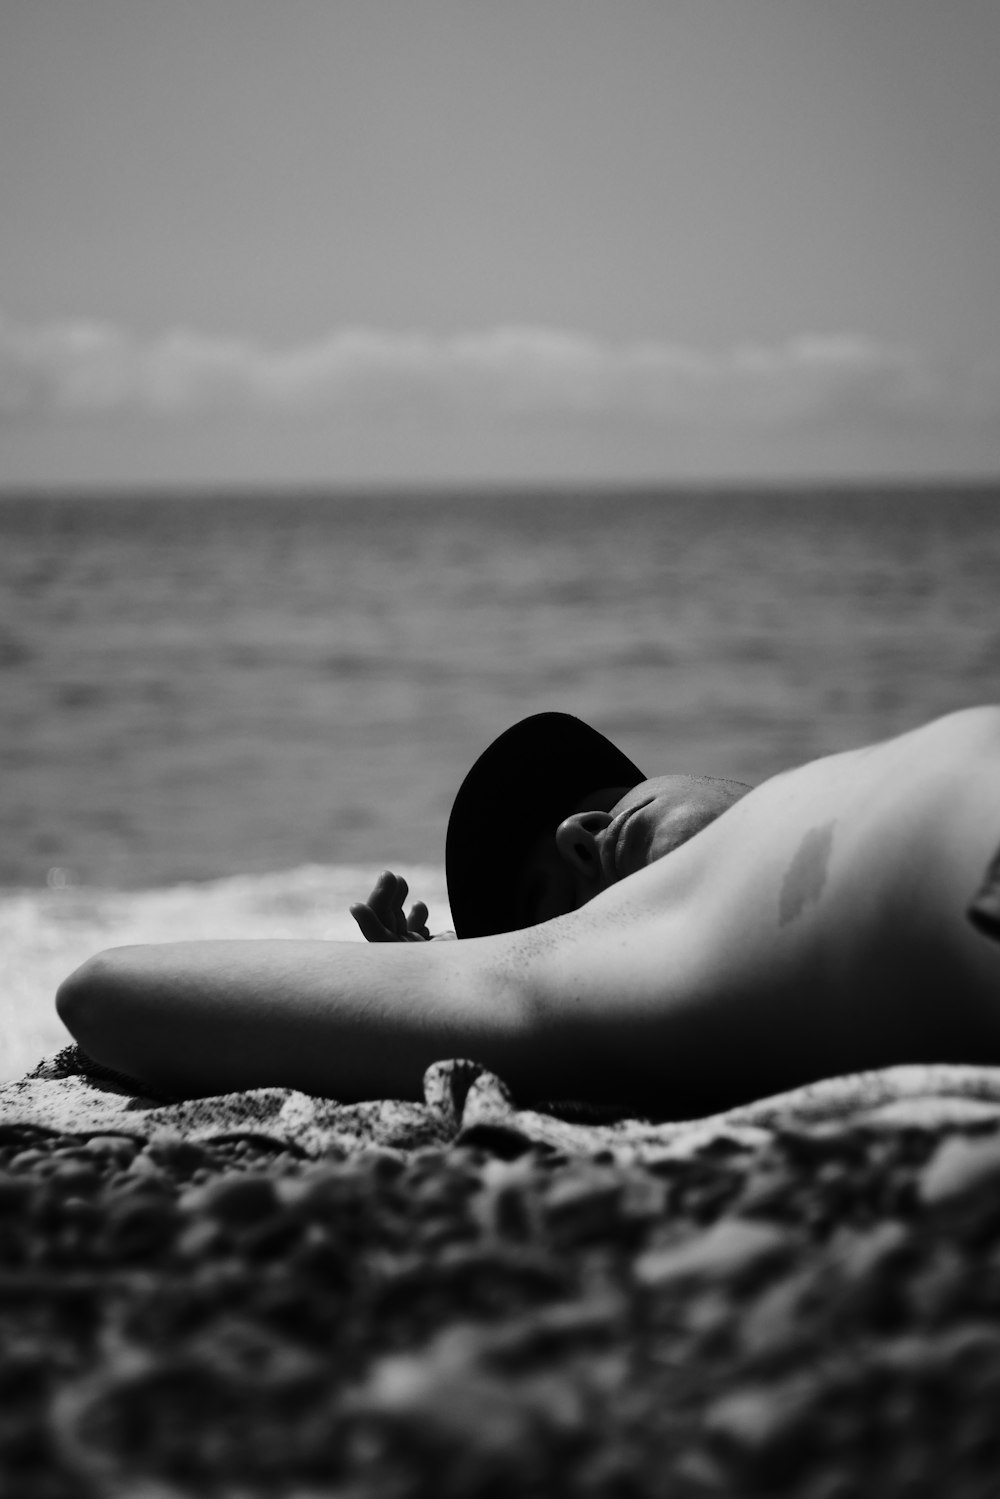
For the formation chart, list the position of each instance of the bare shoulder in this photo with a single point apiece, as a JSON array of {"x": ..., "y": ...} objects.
[
  {"x": 821, "y": 924},
  {"x": 965, "y": 736}
]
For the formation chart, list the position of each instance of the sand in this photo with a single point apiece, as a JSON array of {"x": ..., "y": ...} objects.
[{"x": 811, "y": 1311}]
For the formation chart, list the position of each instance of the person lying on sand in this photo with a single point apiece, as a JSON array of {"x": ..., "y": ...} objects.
[{"x": 841, "y": 916}]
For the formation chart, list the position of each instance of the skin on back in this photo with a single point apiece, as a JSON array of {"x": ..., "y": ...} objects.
[{"x": 818, "y": 927}]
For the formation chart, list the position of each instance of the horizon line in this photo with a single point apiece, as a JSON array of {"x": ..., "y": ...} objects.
[{"x": 475, "y": 487}]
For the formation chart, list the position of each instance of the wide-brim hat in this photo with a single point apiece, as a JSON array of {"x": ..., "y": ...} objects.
[{"x": 524, "y": 784}]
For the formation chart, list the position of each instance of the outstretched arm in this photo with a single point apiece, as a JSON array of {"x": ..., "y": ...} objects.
[{"x": 330, "y": 1018}]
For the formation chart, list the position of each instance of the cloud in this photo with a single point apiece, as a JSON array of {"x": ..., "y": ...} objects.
[{"x": 87, "y": 369}]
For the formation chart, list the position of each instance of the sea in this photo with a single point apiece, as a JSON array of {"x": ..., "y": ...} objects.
[{"x": 224, "y": 712}]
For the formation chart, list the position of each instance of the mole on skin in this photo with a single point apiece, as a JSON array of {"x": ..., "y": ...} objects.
[{"x": 806, "y": 874}]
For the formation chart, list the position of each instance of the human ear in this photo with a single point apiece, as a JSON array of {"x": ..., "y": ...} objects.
[{"x": 577, "y": 841}]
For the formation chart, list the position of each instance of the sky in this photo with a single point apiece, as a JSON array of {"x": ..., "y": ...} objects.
[{"x": 394, "y": 241}]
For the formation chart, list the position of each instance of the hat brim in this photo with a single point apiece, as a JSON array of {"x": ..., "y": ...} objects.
[{"x": 528, "y": 780}]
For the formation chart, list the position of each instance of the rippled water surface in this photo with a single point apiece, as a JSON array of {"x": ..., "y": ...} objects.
[{"x": 214, "y": 684}]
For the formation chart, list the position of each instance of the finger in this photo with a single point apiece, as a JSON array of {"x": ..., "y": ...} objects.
[
  {"x": 381, "y": 893},
  {"x": 417, "y": 919},
  {"x": 387, "y": 903},
  {"x": 372, "y": 929},
  {"x": 400, "y": 891}
]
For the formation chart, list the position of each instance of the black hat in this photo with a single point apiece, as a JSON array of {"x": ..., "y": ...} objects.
[{"x": 523, "y": 785}]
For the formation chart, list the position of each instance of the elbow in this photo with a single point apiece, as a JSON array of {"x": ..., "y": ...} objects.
[{"x": 89, "y": 1002}]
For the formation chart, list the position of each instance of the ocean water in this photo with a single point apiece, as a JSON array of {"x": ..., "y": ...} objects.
[
  {"x": 212, "y": 687},
  {"x": 216, "y": 684}
]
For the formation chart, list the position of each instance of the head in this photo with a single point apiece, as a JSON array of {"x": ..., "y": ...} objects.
[
  {"x": 551, "y": 813},
  {"x": 612, "y": 833}
]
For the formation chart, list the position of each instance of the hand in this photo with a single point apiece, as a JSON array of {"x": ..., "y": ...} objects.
[{"x": 381, "y": 917}]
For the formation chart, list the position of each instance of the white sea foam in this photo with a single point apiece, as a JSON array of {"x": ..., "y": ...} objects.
[{"x": 45, "y": 934}]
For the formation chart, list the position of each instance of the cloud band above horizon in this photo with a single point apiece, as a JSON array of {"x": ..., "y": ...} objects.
[{"x": 85, "y": 368}]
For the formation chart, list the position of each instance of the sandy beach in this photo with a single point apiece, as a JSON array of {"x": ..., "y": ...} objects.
[
  {"x": 373, "y": 377},
  {"x": 805, "y": 1309}
]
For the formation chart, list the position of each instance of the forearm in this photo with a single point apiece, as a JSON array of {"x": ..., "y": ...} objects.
[{"x": 340, "y": 1020}]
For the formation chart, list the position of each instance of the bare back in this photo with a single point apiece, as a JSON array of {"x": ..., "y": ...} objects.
[{"x": 819, "y": 926}]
